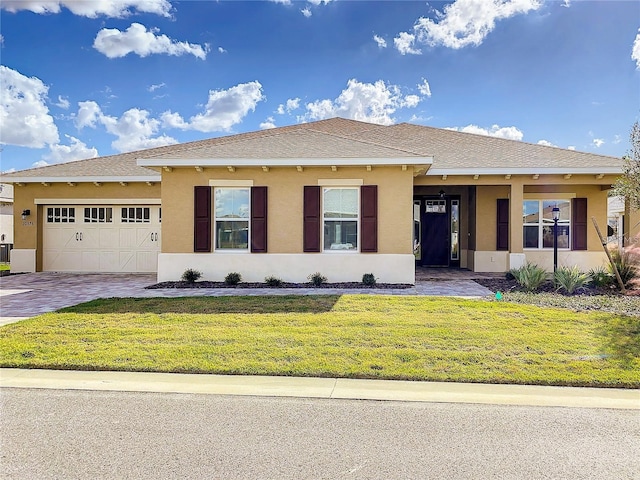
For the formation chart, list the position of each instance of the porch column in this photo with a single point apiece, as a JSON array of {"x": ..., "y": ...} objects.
[{"x": 516, "y": 197}]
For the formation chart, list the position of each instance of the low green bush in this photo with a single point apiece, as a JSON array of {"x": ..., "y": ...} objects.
[
  {"x": 570, "y": 279},
  {"x": 600, "y": 277},
  {"x": 529, "y": 276},
  {"x": 317, "y": 279},
  {"x": 191, "y": 276},
  {"x": 273, "y": 281},
  {"x": 369, "y": 279},
  {"x": 233, "y": 278}
]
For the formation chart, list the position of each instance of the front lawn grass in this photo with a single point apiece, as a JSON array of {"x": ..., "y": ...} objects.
[{"x": 356, "y": 336}]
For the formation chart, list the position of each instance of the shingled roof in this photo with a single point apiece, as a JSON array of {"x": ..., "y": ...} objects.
[{"x": 334, "y": 138}]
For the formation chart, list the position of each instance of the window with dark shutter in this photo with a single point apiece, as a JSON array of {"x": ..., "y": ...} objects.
[
  {"x": 259, "y": 219},
  {"x": 502, "y": 234},
  {"x": 202, "y": 219},
  {"x": 369, "y": 218},
  {"x": 579, "y": 223},
  {"x": 311, "y": 219}
]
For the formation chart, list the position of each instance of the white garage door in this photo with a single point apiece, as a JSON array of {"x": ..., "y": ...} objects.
[{"x": 90, "y": 238}]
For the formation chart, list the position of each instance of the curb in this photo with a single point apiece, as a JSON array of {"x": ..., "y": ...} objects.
[{"x": 329, "y": 388}]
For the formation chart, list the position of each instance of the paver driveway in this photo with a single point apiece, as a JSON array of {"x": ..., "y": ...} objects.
[{"x": 31, "y": 294}]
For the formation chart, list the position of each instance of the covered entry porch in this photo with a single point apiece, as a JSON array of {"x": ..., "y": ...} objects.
[{"x": 497, "y": 223}]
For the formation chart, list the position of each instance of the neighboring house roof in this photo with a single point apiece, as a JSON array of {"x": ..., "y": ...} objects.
[
  {"x": 336, "y": 139},
  {"x": 615, "y": 205}
]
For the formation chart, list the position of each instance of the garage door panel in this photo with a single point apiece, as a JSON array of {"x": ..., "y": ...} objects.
[
  {"x": 91, "y": 261},
  {"x": 108, "y": 238},
  {"x": 111, "y": 245}
]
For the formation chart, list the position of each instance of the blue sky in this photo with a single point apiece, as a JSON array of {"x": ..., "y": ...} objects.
[{"x": 89, "y": 78}]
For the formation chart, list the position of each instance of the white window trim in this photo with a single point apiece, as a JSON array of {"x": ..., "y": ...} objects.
[
  {"x": 241, "y": 185},
  {"x": 350, "y": 186},
  {"x": 540, "y": 224}
]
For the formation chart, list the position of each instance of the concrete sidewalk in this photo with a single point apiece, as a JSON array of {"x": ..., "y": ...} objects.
[{"x": 330, "y": 388}]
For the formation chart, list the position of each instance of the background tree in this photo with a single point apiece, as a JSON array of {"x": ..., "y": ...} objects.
[{"x": 628, "y": 185}]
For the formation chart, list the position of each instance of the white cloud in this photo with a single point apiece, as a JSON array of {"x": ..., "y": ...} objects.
[
  {"x": 424, "y": 88},
  {"x": 291, "y": 105},
  {"x": 224, "y": 109},
  {"x": 616, "y": 139},
  {"x": 546, "y": 143},
  {"x": 382, "y": 43},
  {"x": 368, "y": 102},
  {"x": 597, "y": 142},
  {"x": 1, "y": 39},
  {"x": 134, "y": 129},
  {"x": 221, "y": 50},
  {"x": 137, "y": 39},
  {"x": 282, "y": 2},
  {"x": 571, "y": 147},
  {"x": 405, "y": 42},
  {"x": 566, "y": 3},
  {"x": 62, "y": 102},
  {"x": 306, "y": 11},
  {"x": 76, "y": 150},
  {"x": 510, "y": 133},
  {"x": 88, "y": 114},
  {"x": 154, "y": 87},
  {"x": 468, "y": 22},
  {"x": 24, "y": 115},
  {"x": 635, "y": 50},
  {"x": 411, "y": 101},
  {"x": 319, "y": 2},
  {"x": 91, "y": 8},
  {"x": 268, "y": 123}
]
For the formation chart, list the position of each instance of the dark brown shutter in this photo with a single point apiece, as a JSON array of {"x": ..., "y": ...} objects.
[
  {"x": 259, "y": 219},
  {"x": 579, "y": 223},
  {"x": 202, "y": 219},
  {"x": 311, "y": 219},
  {"x": 502, "y": 234},
  {"x": 369, "y": 218}
]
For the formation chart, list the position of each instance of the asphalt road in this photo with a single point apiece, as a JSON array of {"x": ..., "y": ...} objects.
[{"x": 120, "y": 435}]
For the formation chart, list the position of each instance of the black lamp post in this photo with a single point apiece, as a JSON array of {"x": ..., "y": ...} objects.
[{"x": 556, "y": 217}]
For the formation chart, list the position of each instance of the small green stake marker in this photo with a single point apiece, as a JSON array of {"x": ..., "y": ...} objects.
[{"x": 498, "y": 295}]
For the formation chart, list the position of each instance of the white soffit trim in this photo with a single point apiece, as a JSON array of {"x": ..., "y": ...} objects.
[
  {"x": 97, "y": 201},
  {"x": 100, "y": 179},
  {"x": 525, "y": 171},
  {"x": 340, "y": 182},
  {"x": 230, "y": 183},
  {"x": 281, "y": 162},
  {"x": 549, "y": 196}
]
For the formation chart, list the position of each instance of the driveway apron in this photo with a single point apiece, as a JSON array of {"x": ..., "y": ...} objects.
[{"x": 27, "y": 295}]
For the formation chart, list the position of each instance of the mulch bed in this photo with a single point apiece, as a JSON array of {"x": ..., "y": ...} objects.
[
  {"x": 346, "y": 285},
  {"x": 511, "y": 285}
]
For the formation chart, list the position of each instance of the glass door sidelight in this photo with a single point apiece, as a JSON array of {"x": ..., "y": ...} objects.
[{"x": 417, "y": 230}]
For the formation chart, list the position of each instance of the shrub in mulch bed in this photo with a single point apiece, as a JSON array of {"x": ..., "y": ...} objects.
[
  {"x": 511, "y": 285},
  {"x": 345, "y": 285}
]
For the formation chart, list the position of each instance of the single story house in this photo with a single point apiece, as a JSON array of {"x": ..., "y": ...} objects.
[{"x": 339, "y": 197}]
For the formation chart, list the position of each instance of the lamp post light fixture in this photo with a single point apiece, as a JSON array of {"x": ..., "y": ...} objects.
[{"x": 556, "y": 217}]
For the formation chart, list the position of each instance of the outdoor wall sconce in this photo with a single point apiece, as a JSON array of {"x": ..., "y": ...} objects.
[{"x": 25, "y": 213}]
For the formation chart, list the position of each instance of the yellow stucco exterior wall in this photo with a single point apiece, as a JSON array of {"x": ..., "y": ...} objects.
[{"x": 285, "y": 203}]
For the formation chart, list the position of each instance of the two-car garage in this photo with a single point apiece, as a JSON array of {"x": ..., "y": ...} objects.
[{"x": 101, "y": 238}]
